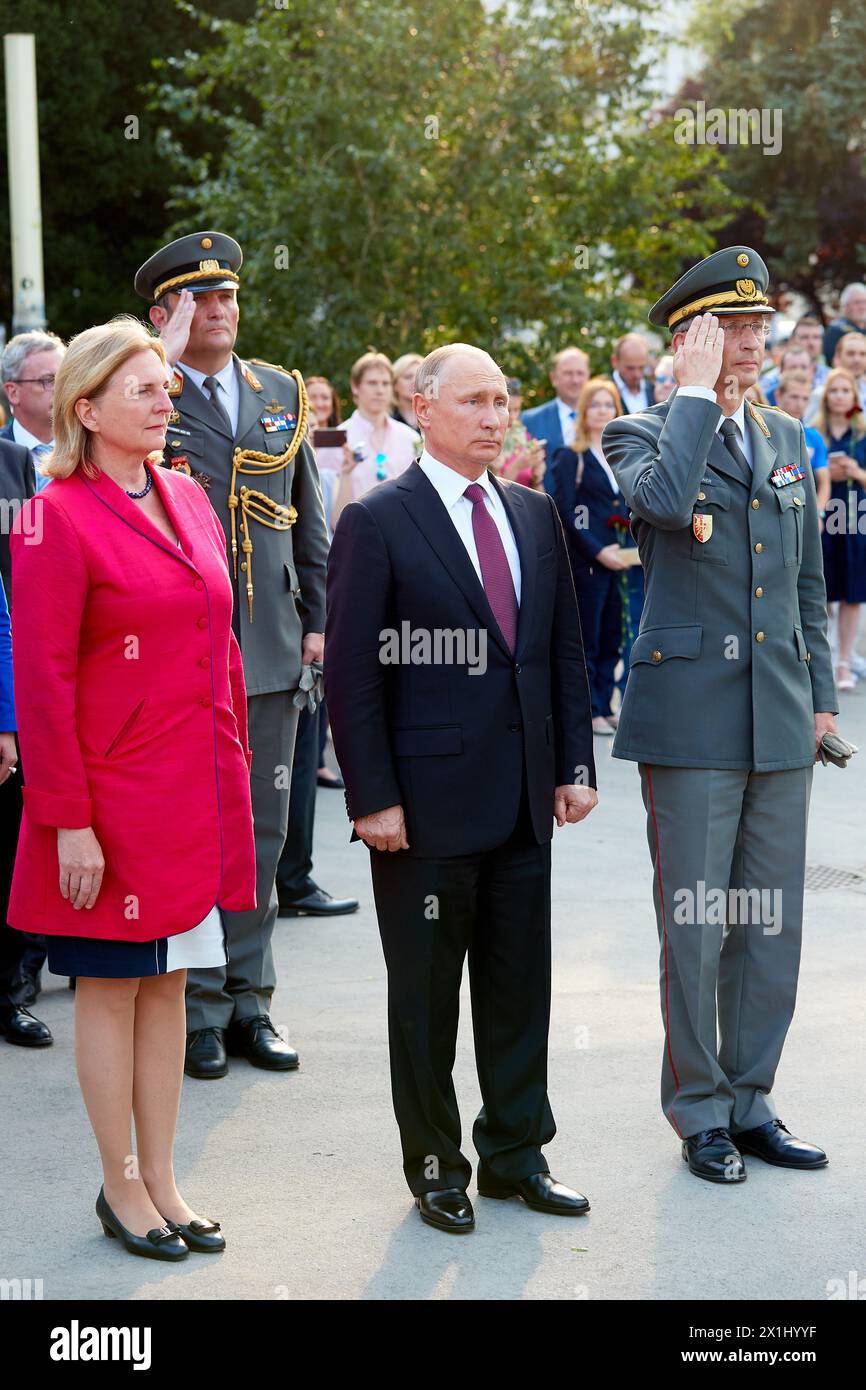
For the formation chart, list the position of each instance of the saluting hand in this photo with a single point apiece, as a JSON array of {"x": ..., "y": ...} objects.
[
  {"x": 698, "y": 359},
  {"x": 174, "y": 333}
]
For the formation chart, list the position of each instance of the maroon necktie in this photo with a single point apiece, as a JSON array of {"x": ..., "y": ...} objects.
[{"x": 495, "y": 570}]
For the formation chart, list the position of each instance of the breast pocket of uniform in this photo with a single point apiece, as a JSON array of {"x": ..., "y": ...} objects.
[
  {"x": 185, "y": 450},
  {"x": 710, "y": 524},
  {"x": 792, "y": 504}
]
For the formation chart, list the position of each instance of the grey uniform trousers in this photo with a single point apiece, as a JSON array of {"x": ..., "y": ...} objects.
[
  {"x": 243, "y": 987},
  {"x": 729, "y": 958}
]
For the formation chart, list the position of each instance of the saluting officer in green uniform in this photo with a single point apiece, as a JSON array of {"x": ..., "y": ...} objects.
[
  {"x": 240, "y": 429},
  {"x": 729, "y": 693}
]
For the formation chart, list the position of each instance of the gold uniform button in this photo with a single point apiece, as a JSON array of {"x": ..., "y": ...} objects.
[
  {"x": 798, "y": 501},
  {"x": 755, "y": 504},
  {"x": 702, "y": 497},
  {"x": 657, "y": 656},
  {"x": 175, "y": 443},
  {"x": 759, "y": 592},
  {"x": 758, "y": 547},
  {"x": 759, "y": 636}
]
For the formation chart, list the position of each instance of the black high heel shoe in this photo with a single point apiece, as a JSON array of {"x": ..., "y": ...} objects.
[
  {"x": 162, "y": 1243},
  {"x": 201, "y": 1235}
]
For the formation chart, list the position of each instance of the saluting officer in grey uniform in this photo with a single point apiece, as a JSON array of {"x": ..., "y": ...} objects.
[
  {"x": 729, "y": 693},
  {"x": 240, "y": 429}
]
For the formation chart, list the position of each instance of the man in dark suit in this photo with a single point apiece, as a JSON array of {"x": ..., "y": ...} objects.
[
  {"x": 21, "y": 954},
  {"x": 630, "y": 363},
  {"x": 460, "y": 709},
  {"x": 554, "y": 422}
]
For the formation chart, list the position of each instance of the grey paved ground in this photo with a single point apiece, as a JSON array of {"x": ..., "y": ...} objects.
[{"x": 304, "y": 1172}]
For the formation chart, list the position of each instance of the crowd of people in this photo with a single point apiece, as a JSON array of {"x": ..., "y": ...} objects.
[
  {"x": 62, "y": 400},
  {"x": 815, "y": 374}
]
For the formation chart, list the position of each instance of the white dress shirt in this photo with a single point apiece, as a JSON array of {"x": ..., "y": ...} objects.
[
  {"x": 632, "y": 400},
  {"x": 227, "y": 381},
  {"x": 607, "y": 468},
  {"x": 704, "y": 393},
  {"x": 567, "y": 422},
  {"x": 451, "y": 487},
  {"x": 38, "y": 449}
]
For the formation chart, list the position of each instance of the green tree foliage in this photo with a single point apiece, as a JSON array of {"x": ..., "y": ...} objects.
[
  {"x": 804, "y": 207},
  {"x": 405, "y": 172},
  {"x": 104, "y": 183}
]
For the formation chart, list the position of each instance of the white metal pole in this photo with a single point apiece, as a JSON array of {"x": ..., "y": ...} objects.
[{"x": 25, "y": 205}]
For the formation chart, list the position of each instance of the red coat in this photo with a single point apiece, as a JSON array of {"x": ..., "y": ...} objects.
[{"x": 131, "y": 710}]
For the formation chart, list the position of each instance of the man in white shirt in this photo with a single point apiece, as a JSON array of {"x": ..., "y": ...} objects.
[
  {"x": 553, "y": 423},
  {"x": 28, "y": 367},
  {"x": 459, "y": 704},
  {"x": 630, "y": 362}
]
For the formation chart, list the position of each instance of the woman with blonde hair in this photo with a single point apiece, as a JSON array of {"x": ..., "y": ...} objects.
[
  {"x": 842, "y": 426},
  {"x": 404, "y": 372},
  {"x": 137, "y": 824},
  {"x": 589, "y": 500}
]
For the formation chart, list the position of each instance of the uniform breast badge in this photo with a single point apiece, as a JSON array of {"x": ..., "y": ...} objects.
[
  {"x": 702, "y": 526},
  {"x": 274, "y": 423},
  {"x": 180, "y": 464},
  {"x": 787, "y": 473}
]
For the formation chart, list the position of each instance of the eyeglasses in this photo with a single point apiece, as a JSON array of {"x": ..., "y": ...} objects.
[
  {"x": 46, "y": 382},
  {"x": 736, "y": 330}
]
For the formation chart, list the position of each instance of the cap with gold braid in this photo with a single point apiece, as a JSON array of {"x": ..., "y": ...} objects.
[
  {"x": 199, "y": 262},
  {"x": 731, "y": 281}
]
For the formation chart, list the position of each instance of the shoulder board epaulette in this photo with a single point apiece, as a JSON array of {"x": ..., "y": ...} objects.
[
  {"x": 175, "y": 386},
  {"x": 759, "y": 420},
  {"x": 260, "y": 362},
  {"x": 765, "y": 405}
]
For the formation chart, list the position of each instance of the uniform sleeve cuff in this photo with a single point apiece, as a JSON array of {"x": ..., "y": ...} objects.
[
  {"x": 68, "y": 812},
  {"x": 700, "y": 393}
]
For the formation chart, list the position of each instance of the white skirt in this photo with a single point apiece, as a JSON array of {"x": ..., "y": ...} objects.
[{"x": 202, "y": 946}]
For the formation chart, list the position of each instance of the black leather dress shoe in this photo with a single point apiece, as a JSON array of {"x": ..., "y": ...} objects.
[
  {"x": 202, "y": 1236},
  {"x": 258, "y": 1040},
  {"x": 318, "y": 903},
  {"x": 448, "y": 1209},
  {"x": 775, "y": 1144},
  {"x": 19, "y": 1026},
  {"x": 162, "y": 1243},
  {"x": 539, "y": 1191},
  {"x": 205, "y": 1054},
  {"x": 336, "y": 783},
  {"x": 712, "y": 1154}
]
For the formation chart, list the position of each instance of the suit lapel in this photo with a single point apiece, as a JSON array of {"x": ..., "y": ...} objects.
[
  {"x": 724, "y": 462},
  {"x": 112, "y": 496},
  {"x": 763, "y": 449},
  {"x": 252, "y": 404},
  {"x": 430, "y": 515}
]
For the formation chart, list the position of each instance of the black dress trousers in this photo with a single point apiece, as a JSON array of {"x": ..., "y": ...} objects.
[
  {"x": 295, "y": 869},
  {"x": 495, "y": 906}
]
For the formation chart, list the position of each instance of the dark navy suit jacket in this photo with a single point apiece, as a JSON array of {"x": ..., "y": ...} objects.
[
  {"x": 589, "y": 532},
  {"x": 542, "y": 422},
  {"x": 452, "y": 747}
]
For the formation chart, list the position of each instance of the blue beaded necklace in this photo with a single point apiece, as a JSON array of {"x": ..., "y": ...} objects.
[{"x": 146, "y": 489}]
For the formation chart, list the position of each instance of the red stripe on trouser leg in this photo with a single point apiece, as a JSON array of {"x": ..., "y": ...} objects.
[{"x": 664, "y": 941}]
